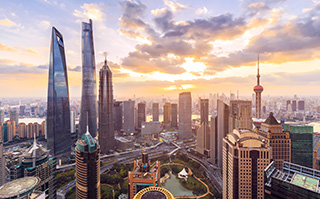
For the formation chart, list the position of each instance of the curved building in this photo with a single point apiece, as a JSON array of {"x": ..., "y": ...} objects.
[
  {"x": 154, "y": 193},
  {"x": 89, "y": 91},
  {"x": 20, "y": 188},
  {"x": 106, "y": 128},
  {"x": 87, "y": 167},
  {"x": 58, "y": 109}
]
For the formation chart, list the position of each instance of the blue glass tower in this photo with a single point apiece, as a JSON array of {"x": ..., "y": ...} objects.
[
  {"x": 58, "y": 110},
  {"x": 89, "y": 89}
]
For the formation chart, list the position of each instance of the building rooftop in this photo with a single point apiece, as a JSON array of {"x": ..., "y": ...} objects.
[
  {"x": 271, "y": 120},
  {"x": 18, "y": 187},
  {"x": 154, "y": 193},
  {"x": 305, "y": 181}
]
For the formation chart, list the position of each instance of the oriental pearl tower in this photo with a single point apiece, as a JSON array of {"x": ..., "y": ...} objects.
[{"x": 258, "y": 90}]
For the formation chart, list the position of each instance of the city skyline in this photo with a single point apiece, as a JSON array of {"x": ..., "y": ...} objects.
[{"x": 166, "y": 47}]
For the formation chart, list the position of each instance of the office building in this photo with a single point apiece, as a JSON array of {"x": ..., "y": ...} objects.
[
  {"x": 166, "y": 113},
  {"x": 203, "y": 139},
  {"x": 14, "y": 116},
  {"x": 301, "y": 144},
  {"x": 301, "y": 105},
  {"x": 144, "y": 175},
  {"x": 72, "y": 121},
  {"x": 222, "y": 128},
  {"x": 88, "y": 114},
  {"x": 185, "y": 113},
  {"x": 258, "y": 90},
  {"x": 87, "y": 167},
  {"x": 174, "y": 115},
  {"x": 278, "y": 139},
  {"x": 106, "y": 129},
  {"x": 58, "y": 109},
  {"x": 117, "y": 115},
  {"x": 141, "y": 113},
  {"x": 128, "y": 116},
  {"x": 1, "y": 116},
  {"x": 204, "y": 111},
  {"x": 43, "y": 128},
  {"x": 9, "y": 130},
  {"x": 2, "y": 160},
  {"x": 240, "y": 115},
  {"x": 245, "y": 156},
  {"x": 155, "y": 112},
  {"x": 150, "y": 128},
  {"x": 37, "y": 162},
  {"x": 287, "y": 104},
  {"x": 294, "y": 105},
  {"x": 213, "y": 153},
  {"x": 22, "y": 110},
  {"x": 293, "y": 181}
]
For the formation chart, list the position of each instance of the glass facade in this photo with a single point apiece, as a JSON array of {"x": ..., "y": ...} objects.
[
  {"x": 58, "y": 113},
  {"x": 89, "y": 90}
]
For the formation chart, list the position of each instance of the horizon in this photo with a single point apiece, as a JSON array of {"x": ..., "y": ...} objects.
[{"x": 166, "y": 47}]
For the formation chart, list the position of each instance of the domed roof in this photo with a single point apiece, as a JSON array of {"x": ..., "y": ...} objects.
[
  {"x": 36, "y": 151},
  {"x": 258, "y": 88}
]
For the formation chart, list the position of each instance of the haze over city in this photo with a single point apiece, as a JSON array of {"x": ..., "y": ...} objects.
[{"x": 163, "y": 47}]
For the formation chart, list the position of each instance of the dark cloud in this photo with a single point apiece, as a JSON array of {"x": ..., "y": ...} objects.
[
  {"x": 22, "y": 68},
  {"x": 43, "y": 66},
  {"x": 76, "y": 69}
]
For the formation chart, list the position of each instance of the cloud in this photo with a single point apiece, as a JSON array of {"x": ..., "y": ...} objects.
[
  {"x": 174, "y": 6},
  {"x": 7, "y": 22},
  {"x": 76, "y": 69},
  {"x": 45, "y": 24},
  {"x": 4, "y": 47},
  {"x": 90, "y": 11},
  {"x": 202, "y": 11},
  {"x": 23, "y": 69}
]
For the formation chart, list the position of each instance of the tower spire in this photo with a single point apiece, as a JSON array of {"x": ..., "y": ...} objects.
[{"x": 258, "y": 74}]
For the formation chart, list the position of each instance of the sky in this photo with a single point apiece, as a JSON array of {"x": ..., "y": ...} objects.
[{"x": 162, "y": 48}]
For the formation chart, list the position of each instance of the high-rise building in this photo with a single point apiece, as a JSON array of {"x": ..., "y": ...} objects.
[
  {"x": 87, "y": 167},
  {"x": 185, "y": 113},
  {"x": 88, "y": 114},
  {"x": 204, "y": 111},
  {"x": 213, "y": 140},
  {"x": 37, "y": 162},
  {"x": 1, "y": 116},
  {"x": 128, "y": 116},
  {"x": 22, "y": 110},
  {"x": 301, "y": 105},
  {"x": 278, "y": 139},
  {"x": 72, "y": 121},
  {"x": 58, "y": 109},
  {"x": 14, "y": 116},
  {"x": 293, "y": 181},
  {"x": 2, "y": 160},
  {"x": 43, "y": 128},
  {"x": 203, "y": 139},
  {"x": 174, "y": 115},
  {"x": 222, "y": 128},
  {"x": 143, "y": 175},
  {"x": 287, "y": 104},
  {"x": 240, "y": 115},
  {"x": 22, "y": 130},
  {"x": 258, "y": 90},
  {"x": 166, "y": 112},
  {"x": 245, "y": 156},
  {"x": 141, "y": 113},
  {"x": 9, "y": 130},
  {"x": 106, "y": 129},
  {"x": 155, "y": 112},
  {"x": 301, "y": 144},
  {"x": 117, "y": 115},
  {"x": 294, "y": 105}
]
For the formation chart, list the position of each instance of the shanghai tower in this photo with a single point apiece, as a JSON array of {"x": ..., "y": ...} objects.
[
  {"x": 58, "y": 110},
  {"x": 88, "y": 100},
  {"x": 106, "y": 128}
]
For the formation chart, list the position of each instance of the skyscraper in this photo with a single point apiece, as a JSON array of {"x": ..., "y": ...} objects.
[
  {"x": 2, "y": 160},
  {"x": 166, "y": 112},
  {"x": 222, "y": 128},
  {"x": 72, "y": 121},
  {"x": 14, "y": 116},
  {"x": 258, "y": 90},
  {"x": 213, "y": 140},
  {"x": 240, "y": 114},
  {"x": 1, "y": 116},
  {"x": 174, "y": 115},
  {"x": 185, "y": 130},
  {"x": 117, "y": 115},
  {"x": 88, "y": 114},
  {"x": 245, "y": 156},
  {"x": 128, "y": 116},
  {"x": 58, "y": 110},
  {"x": 106, "y": 129},
  {"x": 155, "y": 112},
  {"x": 141, "y": 114},
  {"x": 278, "y": 139},
  {"x": 87, "y": 167},
  {"x": 204, "y": 110}
]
